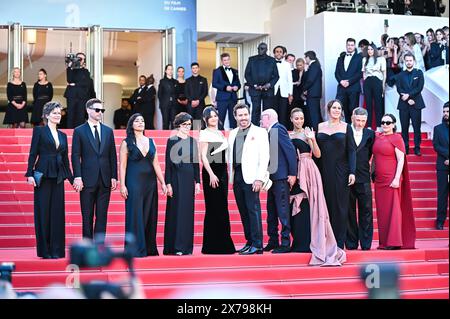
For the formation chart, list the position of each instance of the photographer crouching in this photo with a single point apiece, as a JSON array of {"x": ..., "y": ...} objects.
[{"x": 80, "y": 89}]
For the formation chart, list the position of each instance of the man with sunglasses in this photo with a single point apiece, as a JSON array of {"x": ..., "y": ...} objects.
[
  {"x": 94, "y": 163},
  {"x": 79, "y": 90}
]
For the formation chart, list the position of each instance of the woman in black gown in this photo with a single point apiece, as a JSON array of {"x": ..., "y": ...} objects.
[
  {"x": 337, "y": 166},
  {"x": 16, "y": 112},
  {"x": 42, "y": 93},
  {"x": 213, "y": 146},
  {"x": 139, "y": 169},
  {"x": 183, "y": 183},
  {"x": 49, "y": 156}
]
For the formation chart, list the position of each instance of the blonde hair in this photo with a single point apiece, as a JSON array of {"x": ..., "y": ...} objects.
[{"x": 12, "y": 73}]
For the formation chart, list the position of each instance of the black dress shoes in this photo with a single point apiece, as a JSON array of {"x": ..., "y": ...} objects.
[
  {"x": 417, "y": 152},
  {"x": 281, "y": 250},
  {"x": 439, "y": 227},
  {"x": 252, "y": 251},
  {"x": 271, "y": 246},
  {"x": 245, "y": 248},
  {"x": 47, "y": 257}
]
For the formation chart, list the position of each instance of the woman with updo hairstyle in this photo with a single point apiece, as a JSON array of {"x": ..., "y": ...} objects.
[
  {"x": 42, "y": 93},
  {"x": 213, "y": 147},
  {"x": 396, "y": 225},
  {"x": 48, "y": 167},
  {"x": 183, "y": 183}
]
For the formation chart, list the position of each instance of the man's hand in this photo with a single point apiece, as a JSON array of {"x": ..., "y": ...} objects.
[
  {"x": 446, "y": 162},
  {"x": 78, "y": 184},
  {"x": 113, "y": 184},
  {"x": 411, "y": 102},
  {"x": 292, "y": 180},
  {"x": 345, "y": 83},
  {"x": 405, "y": 97},
  {"x": 257, "y": 186},
  {"x": 266, "y": 86},
  {"x": 290, "y": 99},
  {"x": 229, "y": 88},
  {"x": 351, "y": 179},
  {"x": 235, "y": 88}
]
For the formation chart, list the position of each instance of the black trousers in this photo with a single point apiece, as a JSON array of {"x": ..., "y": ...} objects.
[
  {"x": 281, "y": 106},
  {"x": 196, "y": 113},
  {"x": 168, "y": 115},
  {"x": 76, "y": 112},
  {"x": 360, "y": 230},
  {"x": 223, "y": 107},
  {"x": 49, "y": 214},
  {"x": 312, "y": 113},
  {"x": 416, "y": 119},
  {"x": 373, "y": 95},
  {"x": 249, "y": 208},
  {"x": 350, "y": 101},
  {"x": 278, "y": 208},
  {"x": 95, "y": 201},
  {"x": 267, "y": 100},
  {"x": 442, "y": 200}
]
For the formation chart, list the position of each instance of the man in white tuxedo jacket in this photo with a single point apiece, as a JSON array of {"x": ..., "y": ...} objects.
[
  {"x": 248, "y": 157},
  {"x": 283, "y": 89}
]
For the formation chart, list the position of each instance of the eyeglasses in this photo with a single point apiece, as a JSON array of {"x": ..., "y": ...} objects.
[
  {"x": 98, "y": 110},
  {"x": 185, "y": 124},
  {"x": 386, "y": 122}
]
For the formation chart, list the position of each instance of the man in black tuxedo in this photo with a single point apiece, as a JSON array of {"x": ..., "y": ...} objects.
[
  {"x": 94, "y": 162},
  {"x": 196, "y": 92},
  {"x": 312, "y": 90},
  {"x": 137, "y": 98},
  {"x": 283, "y": 172},
  {"x": 261, "y": 75},
  {"x": 361, "y": 191},
  {"x": 410, "y": 84},
  {"x": 79, "y": 89},
  {"x": 226, "y": 81},
  {"x": 440, "y": 143},
  {"x": 348, "y": 74}
]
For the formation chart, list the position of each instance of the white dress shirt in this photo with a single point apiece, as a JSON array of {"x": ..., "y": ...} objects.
[
  {"x": 358, "y": 135},
  {"x": 347, "y": 60},
  {"x": 99, "y": 129},
  {"x": 229, "y": 73},
  {"x": 284, "y": 83}
]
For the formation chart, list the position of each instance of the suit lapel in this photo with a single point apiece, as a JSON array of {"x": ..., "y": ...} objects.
[
  {"x": 50, "y": 136},
  {"x": 88, "y": 131},
  {"x": 103, "y": 138},
  {"x": 364, "y": 139},
  {"x": 224, "y": 74}
]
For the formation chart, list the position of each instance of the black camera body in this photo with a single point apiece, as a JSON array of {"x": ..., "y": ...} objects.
[
  {"x": 73, "y": 60},
  {"x": 6, "y": 270}
]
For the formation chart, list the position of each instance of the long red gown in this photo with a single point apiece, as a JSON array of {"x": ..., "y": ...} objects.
[{"x": 395, "y": 215}]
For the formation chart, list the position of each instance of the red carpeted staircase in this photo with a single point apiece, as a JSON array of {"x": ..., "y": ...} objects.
[{"x": 424, "y": 271}]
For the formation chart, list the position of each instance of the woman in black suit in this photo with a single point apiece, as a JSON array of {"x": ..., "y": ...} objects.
[
  {"x": 49, "y": 147},
  {"x": 167, "y": 94}
]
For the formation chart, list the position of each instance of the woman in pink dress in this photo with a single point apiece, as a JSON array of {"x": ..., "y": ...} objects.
[{"x": 396, "y": 226}]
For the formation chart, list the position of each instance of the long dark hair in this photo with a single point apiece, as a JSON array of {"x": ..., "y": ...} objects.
[
  {"x": 207, "y": 115},
  {"x": 375, "y": 54},
  {"x": 130, "y": 131}
]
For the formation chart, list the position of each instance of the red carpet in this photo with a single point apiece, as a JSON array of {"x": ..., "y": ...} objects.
[{"x": 424, "y": 271}]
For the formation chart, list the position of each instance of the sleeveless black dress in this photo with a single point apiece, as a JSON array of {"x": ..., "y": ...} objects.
[
  {"x": 217, "y": 230},
  {"x": 141, "y": 206},
  {"x": 41, "y": 95}
]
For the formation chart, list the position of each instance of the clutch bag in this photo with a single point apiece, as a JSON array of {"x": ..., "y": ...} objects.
[{"x": 38, "y": 177}]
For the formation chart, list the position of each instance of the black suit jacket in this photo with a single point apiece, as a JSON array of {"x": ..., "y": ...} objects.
[
  {"x": 51, "y": 161},
  {"x": 88, "y": 162},
  {"x": 136, "y": 97},
  {"x": 440, "y": 143},
  {"x": 313, "y": 81},
  {"x": 261, "y": 70},
  {"x": 197, "y": 89},
  {"x": 147, "y": 103},
  {"x": 83, "y": 88},
  {"x": 363, "y": 156},
  {"x": 167, "y": 92},
  {"x": 298, "y": 89},
  {"x": 412, "y": 87},
  {"x": 353, "y": 73},
  {"x": 283, "y": 151},
  {"x": 220, "y": 82}
]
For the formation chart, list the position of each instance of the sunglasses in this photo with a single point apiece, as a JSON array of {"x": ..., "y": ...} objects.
[
  {"x": 98, "y": 110},
  {"x": 386, "y": 122}
]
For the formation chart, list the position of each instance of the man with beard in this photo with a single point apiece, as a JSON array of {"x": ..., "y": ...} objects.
[{"x": 440, "y": 143}]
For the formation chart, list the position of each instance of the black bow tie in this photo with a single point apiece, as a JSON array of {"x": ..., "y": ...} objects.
[
  {"x": 227, "y": 69},
  {"x": 278, "y": 61},
  {"x": 349, "y": 54}
]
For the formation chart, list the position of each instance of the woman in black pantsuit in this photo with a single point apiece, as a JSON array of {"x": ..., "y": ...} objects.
[
  {"x": 49, "y": 146},
  {"x": 167, "y": 95},
  {"x": 139, "y": 169},
  {"x": 183, "y": 183}
]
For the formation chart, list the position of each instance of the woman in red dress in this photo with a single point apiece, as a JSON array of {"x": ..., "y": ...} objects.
[{"x": 396, "y": 224}]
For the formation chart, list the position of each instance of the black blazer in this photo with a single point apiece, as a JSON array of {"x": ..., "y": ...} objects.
[
  {"x": 88, "y": 162},
  {"x": 220, "y": 82},
  {"x": 167, "y": 92},
  {"x": 197, "y": 89},
  {"x": 435, "y": 55},
  {"x": 147, "y": 103},
  {"x": 353, "y": 74},
  {"x": 261, "y": 70},
  {"x": 51, "y": 161},
  {"x": 313, "y": 81},
  {"x": 83, "y": 88},
  {"x": 363, "y": 156},
  {"x": 440, "y": 143},
  {"x": 282, "y": 149},
  {"x": 134, "y": 101},
  {"x": 298, "y": 89},
  {"x": 413, "y": 88}
]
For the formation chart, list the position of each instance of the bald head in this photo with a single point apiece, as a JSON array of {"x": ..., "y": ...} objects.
[{"x": 268, "y": 118}]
